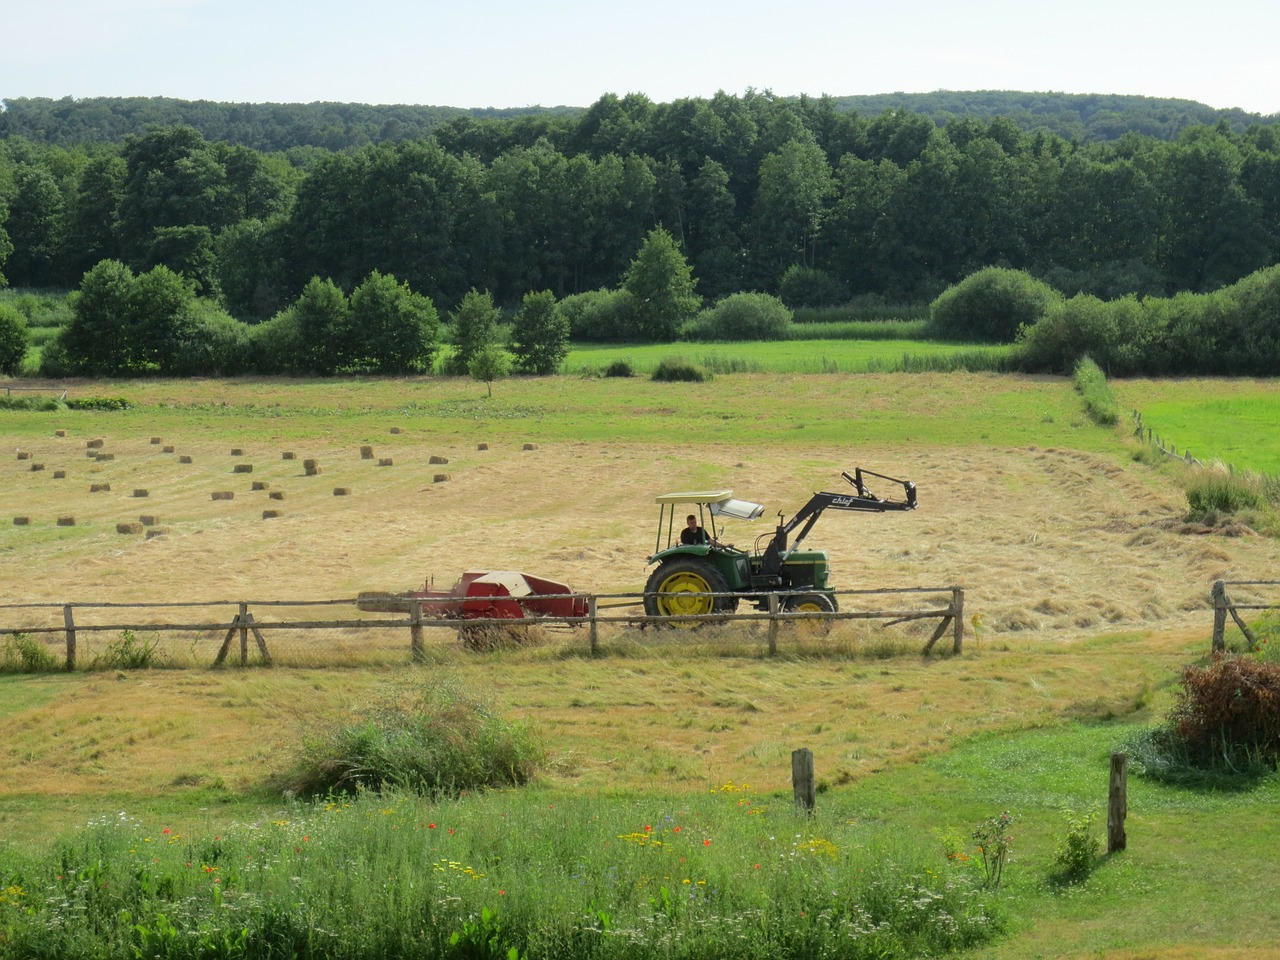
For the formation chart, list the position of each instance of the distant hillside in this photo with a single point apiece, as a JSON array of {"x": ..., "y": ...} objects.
[
  {"x": 339, "y": 126},
  {"x": 1080, "y": 116}
]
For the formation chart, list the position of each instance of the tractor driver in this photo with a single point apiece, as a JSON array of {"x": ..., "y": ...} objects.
[{"x": 693, "y": 535}]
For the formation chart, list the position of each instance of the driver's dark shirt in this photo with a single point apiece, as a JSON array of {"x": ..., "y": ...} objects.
[{"x": 691, "y": 538}]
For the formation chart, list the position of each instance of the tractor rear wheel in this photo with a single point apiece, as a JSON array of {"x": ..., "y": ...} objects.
[{"x": 672, "y": 591}]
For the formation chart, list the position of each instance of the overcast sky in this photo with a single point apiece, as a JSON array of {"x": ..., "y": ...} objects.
[{"x": 501, "y": 53}]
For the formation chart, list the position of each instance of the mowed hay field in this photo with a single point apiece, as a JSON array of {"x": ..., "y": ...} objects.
[{"x": 1089, "y": 597}]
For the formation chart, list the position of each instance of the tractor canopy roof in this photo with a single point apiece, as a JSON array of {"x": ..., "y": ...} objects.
[{"x": 720, "y": 502}]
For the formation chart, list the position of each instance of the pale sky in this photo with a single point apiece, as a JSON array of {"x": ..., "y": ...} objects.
[{"x": 502, "y": 53}]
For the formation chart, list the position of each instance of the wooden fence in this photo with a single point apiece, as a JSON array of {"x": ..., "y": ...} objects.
[
  {"x": 1148, "y": 435},
  {"x": 1223, "y": 606},
  {"x": 78, "y": 619}
]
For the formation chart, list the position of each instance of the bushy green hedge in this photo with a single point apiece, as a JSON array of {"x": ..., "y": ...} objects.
[
  {"x": 741, "y": 316},
  {"x": 991, "y": 305},
  {"x": 13, "y": 339}
]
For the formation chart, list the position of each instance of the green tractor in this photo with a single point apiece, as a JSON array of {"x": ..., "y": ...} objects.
[{"x": 697, "y": 575}]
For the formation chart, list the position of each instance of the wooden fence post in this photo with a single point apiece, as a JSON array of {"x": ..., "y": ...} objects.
[
  {"x": 416, "y": 649},
  {"x": 1117, "y": 804},
  {"x": 1219, "y": 615},
  {"x": 773, "y": 624},
  {"x": 68, "y": 621},
  {"x": 242, "y": 618},
  {"x": 802, "y": 784},
  {"x": 957, "y": 604},
  {"x": 592, "y": 628}
]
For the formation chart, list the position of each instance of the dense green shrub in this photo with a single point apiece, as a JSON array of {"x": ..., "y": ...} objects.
[
  {"x": 275, "y": 347},
  {"x": 1212, "y": 491},
  {"x": 810, "y": 287},
  {"x": 600, "y": 316},
  {"x": 991, "y": 305},
  {"x": 13, "y": 339},
  {"x": 620, "y": 368},
  {"x": 677, "y": 369},
  {"x": 742, "y": 316},
  {"x": 540, "y": 335},
  {"x": 475, "y": 330},
  {"x": 1121, "y": 336},
  {"x": 435, "y": 738},
  {"x": 23, "y": 653}
]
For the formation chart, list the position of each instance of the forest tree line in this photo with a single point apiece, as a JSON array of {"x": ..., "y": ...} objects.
[{"x": 891, "y": 206}]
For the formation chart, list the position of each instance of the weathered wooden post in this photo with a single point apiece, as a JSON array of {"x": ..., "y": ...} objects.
[
  {"x": 416, "y": 649},
  {"x": 802, "y": 784},
  {"x": 957, "y": 605},
  {"x": 1219, "y": 615},
  {"x": 68, "y": 621},
  {"x": 242, "y": 618},
  {"x": 1117, "y": 804},
  {"x": 773, "y": 624},
  {"x": 592, "y": 630}
]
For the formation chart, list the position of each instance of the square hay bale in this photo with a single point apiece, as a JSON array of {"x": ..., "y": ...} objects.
[
  {"x": 530, "y": 446},
  {"x": 259, "y": 485},
  {"x": 271, "y": 514},
  {"x": 440, "y": 478},
  {"x": 438, "y": 459},
  {"x": 311, "y": 468},
  {"x": 242, "y": 468},
  {"x": 482, "y": 446},
  {"x": 288, "y": 455},
  {"x": 37, "y": 467},
  {"x": 140, "y": 493},
  {"x": 366, "y": 453},
  {"x": 156, "y": 441},
  {"x": 396, "y": 430},
  {"x": 95, "y": 444},
  {"x": 24, "y": 455},
  {"x": 342, "y": 491},
  {"x": 91, "y": 454},
  {"x": 149, "y": 520},
  {"x": 105, "y": 457},
  {"x": 21, "y": 521},
  {"x": 156, "y": 532},
  {"x": 59, "y": 433},
  {"x": 59, "y": 474},
  {"x": 133, "y": 528},
  {"x": 168, "y": 448},
  {"x": 275, "y": 495},
  {"x": 184, "y": 459},
  {"x": 385, "y": 462},
  {"x": 237, "y": 452},
  {"x": 224, "y": 495},
  {"x": 99, "y": 488},
  {"x": 66, "y": 521}
]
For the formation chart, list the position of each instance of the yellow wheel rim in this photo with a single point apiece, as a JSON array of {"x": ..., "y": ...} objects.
[
  {"x": 681, "y": 600},
  {"x": 809, "y": 606}
]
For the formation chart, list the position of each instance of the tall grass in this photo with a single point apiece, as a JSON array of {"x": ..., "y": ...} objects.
[
  {"x": 864, "y": 311},
  {"x": 806, "y": 329},
  {"x": 725, "y": 874},
  {"x": 1099, "y": 402}
]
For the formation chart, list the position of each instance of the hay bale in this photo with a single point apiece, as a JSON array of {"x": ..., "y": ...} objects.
[
  {"x": 184, "y": 459},
  {"x": 91, "y": 454},
  {"x": 59, "y": 474},
  {"x": 385, "y": 462},
  {"x": 105, "y": 457},
  {"x": 259, "y": 485},
  {"x": 440, "y": 478},
  {"x": 396, "y": 430},
  {"x": 438, "y": 459},
  {"x": 21, "y": 521},
  {"x": 133, "y": 528},
  {"x": 156, "y": 532},
  {"x": 168, "y": 448},
  {"x": 271, "y": 514},
  {"x": 311, "y": 468},
  {"x": 288, "y": 455},
  {"x": 342, "y": 491},
  {"x": 156, "y": 441},
  {"x": 237, "y": 452},
  {"x": 140, "y": 493},
  {"x": 59, "y": 433},
  {"x": 94, "y": 444},
  {"x": 224, "y": 495},
  {"x": 23, "y": 455},
  {"x": 66, "y": 521},
  {"x": 242, "y": 468},
  {"x": 530, "y": 446},
  {"x": 482, "y": 446},
  {"x": 275, "y": 495},
  {"x": 149, "y": 520},
  {"x": 99, "y": 488},
  {"x": 37, "y": 467},
  {"x": 366, "y": 453}
]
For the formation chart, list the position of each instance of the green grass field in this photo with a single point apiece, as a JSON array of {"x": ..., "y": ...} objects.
[{"x": 139, "y": 817}]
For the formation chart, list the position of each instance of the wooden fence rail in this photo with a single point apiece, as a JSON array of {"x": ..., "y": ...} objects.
[
  {"x": 1223, "y": 606},
  {"x": 242, "y": 624}
]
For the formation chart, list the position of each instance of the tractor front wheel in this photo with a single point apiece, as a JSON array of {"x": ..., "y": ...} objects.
[{"x": 674, "y": 590}]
